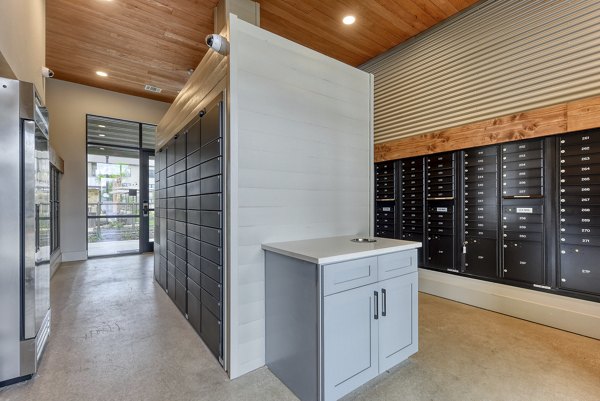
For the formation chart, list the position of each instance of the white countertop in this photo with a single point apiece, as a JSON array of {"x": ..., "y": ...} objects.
[{"x": 337, "y": 249}]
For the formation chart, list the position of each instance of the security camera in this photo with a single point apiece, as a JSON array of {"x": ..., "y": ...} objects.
[
  {"x": 47, "y": 72},
  {"x": 218, "y": 43}
]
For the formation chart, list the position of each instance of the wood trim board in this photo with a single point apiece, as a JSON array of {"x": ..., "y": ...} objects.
[{"x": 553, "y": 120}]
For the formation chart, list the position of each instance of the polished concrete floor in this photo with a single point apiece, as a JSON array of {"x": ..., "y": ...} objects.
[{"x": 117, "y": 336}]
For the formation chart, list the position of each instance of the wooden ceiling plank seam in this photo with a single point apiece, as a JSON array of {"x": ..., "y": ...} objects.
[
  {"x": 288, "y": 17},
  {"x": 158, "y": 41},
  {"x": 118, "y": 88},
  {"x": 339, "y": 53},
  {"x": 331, "y": 17}
]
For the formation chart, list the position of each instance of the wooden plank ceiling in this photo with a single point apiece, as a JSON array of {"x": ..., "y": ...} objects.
[{"x": 156, "y": 42}]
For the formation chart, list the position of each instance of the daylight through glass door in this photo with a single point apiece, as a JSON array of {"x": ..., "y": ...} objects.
[{"x": 119, "y": 179}]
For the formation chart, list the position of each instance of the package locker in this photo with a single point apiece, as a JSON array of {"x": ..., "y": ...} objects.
[
  {"x": 440, "y": 204},
  {"x": 190, "y": 229},
  {"x": 579, "y": 232},
  {"x": 193, "y": 225},
  {"x": 211, "y": 228},
  {"x": 481, "y": 211},
  {"x": 412, "y": 207},
  {"x": 386, "y": 189},
  {"x": 523, "y": 251},
  {"x": 176, "y": 230}
]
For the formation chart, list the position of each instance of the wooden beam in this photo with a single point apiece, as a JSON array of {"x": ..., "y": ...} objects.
[
  {"x": 210, "y": 76},
  {"x": 583, "y": 114},
  {"x": 558, "y": 119}
]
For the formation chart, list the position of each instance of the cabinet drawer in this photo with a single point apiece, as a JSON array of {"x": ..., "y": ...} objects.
[
  {"x": 521, "y": 174},
  {"x": 481, "y": 169},
  {"x": 526, "y": 191},
  {"x": 579, "y": 269},
  {"x": 412, "y": 236},
  {"x": 588, "y": 169},
  {"x": 396, "y": 264},
  {"x": 441, "y": 157},
  {"x": 346, "y": 275},
  {"x": 411, "y": 175},
  {"x": 582, "y": 149},
  {"x": 581, "y": 189},
  {"x": 527, "y": 155},
  {"x": 490, "y": 234},
  {"x": 581, "y": 159},
  {"x": 449, "y": 172},
  {"x": 481, "y": 160},
  {"x": 481, "y": 152},
  {"x": 534, "y": 164},
  {"x": 521, "y": 146},
  {"x": 440, "y": 187}
]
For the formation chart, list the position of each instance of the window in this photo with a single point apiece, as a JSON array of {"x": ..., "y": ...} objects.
[{"x": 54, "y": 209}]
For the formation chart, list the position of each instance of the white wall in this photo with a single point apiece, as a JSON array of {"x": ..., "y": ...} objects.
[
  {"x": 68, "y": 104},
  {"x": 301, "y": 157},
  {"x": 23, "y": 39}
]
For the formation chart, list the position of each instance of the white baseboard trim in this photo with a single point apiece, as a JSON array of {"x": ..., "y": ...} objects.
[
  {"x": 565, "y": 313},
  {"x": 55, "y": 261},
  {"x": 74, "y": 256}
]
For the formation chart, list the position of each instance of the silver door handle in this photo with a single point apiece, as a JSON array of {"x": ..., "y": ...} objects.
[
  {"x": 37, "y": 227},
  {"x": 383, "y": 302},
  {"x": 376, "y": 301}
]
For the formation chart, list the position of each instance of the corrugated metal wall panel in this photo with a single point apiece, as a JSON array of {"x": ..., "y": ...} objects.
[{"x": 496, "y": 58}]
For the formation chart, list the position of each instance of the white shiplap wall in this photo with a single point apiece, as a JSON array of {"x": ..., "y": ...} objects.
[
  {"x": 301, "y": 157},
  {"x": 496, "y": 58}
]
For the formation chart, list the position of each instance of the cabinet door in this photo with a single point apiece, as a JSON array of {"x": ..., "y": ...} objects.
[
  {"x": 398, "y": 328},
  {"x": 350, "y": 339}
]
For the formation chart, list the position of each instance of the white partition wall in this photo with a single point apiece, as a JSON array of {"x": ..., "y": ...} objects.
[{"x": 300, "y": 155}]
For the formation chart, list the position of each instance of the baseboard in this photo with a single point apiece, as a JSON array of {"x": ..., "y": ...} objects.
[
  {"x": 74, "y": 256},
  {"x": 570, "y": 314},
  {"x": 55, "y": 261}
]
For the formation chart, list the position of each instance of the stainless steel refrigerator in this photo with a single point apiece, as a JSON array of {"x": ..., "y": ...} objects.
[{"x": 24, "y": 230}]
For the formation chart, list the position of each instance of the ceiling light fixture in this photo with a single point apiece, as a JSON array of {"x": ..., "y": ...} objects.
[
  {"x": 101, "y": 148},
  {"x": 101, "y": 135},
  {"x": 101, "y": 73},
  {"x": 101, "y": 126},
  {"x": 349, "y": 19}
]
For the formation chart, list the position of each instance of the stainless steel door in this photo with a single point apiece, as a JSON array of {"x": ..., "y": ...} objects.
[
  {"x": 36, "y": 213},
  {"x": 10, "y": 231}
]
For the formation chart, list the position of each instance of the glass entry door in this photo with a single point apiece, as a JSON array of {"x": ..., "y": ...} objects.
[
  {"x": 120, "y": 186},
  {"x": 113, "y": 201},
  {"x": 147, "y": 201}
]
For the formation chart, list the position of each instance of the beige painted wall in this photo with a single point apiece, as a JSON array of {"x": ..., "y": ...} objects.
[
  {"x": 68, "y": 104},
  {"x": 23, "y": 39}
]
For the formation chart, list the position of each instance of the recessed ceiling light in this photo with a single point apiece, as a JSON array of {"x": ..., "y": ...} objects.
[
  {"x": 101, "y": 148},
  {"x": 349, "y": 19},
  {"x": 101, "y": 126},
  {"x": 101, "y": 73},
  {"x": 101, "y": 135}
]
